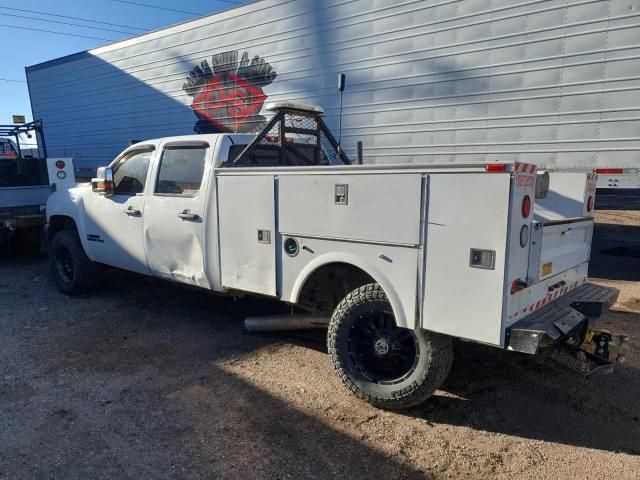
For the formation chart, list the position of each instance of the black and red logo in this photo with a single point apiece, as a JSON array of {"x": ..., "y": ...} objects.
[{"x": 227, "y": 93}]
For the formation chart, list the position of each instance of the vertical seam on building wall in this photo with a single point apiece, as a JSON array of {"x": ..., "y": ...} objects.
[
  {"x": 486, "y": 105},
  {"x": 604, "y": 81},
  {"x": 521, "y": 104},
  {"x": 455, "y": 84},
  {"x": 560, "y": 80}
]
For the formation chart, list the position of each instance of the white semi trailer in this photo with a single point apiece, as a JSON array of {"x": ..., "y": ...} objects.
[{"x": 555, "y": 83}]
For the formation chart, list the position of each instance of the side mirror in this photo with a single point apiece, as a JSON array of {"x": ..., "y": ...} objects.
[{"x": 103, "y": 183}]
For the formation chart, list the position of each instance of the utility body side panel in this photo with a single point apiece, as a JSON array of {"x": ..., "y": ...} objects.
[
  {"x": 395, "y": 268},
  {"x": 465, "y": 212},
  {"x": 372, "y": 207}
]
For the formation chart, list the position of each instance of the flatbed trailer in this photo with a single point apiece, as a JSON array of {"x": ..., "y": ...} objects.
[{"x": 24, "y": 183}]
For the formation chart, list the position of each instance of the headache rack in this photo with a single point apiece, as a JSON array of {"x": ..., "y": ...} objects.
[
  {"x": 25, "y": 129},
  {"x": 22, "y": 166},
  {"x": 295, "y": 136}
]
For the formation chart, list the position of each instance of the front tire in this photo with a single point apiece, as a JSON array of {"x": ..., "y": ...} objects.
[
  {"x": 390, "y": 367},
  {"x": 73, "y": 272}
]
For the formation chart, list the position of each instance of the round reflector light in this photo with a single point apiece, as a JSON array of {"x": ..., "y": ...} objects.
[
  {"x": 526, "y": 206},
  {"x": 60, "y": 164},
  {"x": 590, "y": 204},
  {"x": 524, "y": 236}
]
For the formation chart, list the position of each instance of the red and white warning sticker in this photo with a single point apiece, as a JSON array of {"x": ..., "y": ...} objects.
[{"x": 525, "y": 174}]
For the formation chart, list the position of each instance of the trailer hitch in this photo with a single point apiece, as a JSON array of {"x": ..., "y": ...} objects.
[{"x": 606, "y": 346}]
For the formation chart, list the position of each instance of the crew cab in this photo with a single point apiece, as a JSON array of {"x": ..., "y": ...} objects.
[{"x": 403, "y": 258}]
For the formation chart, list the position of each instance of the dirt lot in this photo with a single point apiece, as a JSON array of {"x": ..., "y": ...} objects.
[{"x": 150, "y": 380}]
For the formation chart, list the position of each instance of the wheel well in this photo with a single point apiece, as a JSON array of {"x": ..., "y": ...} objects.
[
  {"x": 329, "y": 284},
  {"x": 58, "y": 223}
]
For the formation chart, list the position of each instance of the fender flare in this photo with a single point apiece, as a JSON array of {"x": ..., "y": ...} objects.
[
  {"x": 402, "y": 320},
  {"x": 71, "y": 207}
]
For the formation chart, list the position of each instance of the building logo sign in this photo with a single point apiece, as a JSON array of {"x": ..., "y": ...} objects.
[{"x": 228, "y": 93}]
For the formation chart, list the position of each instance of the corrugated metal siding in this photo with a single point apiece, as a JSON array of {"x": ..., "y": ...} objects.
[{"x": 549, "y": 82}]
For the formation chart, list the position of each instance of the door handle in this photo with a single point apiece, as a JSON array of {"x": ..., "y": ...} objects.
[
  {"x": 134, "y": 212},
  {"x": 188, "y": 215}
]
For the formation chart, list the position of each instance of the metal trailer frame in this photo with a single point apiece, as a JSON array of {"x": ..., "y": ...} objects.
[
  {"x": 16, "y": 130},
  {"x": 21, "y": 206}
]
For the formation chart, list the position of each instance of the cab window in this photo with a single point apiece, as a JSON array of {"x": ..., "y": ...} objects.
[
  {"x": 181, "y": 170},
  {"x": 130, "y": 172}
]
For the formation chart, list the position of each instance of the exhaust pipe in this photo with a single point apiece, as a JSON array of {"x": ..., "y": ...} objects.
[{"x": 274, "y": 323}]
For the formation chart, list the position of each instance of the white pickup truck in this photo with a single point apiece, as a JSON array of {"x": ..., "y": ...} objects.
[{"x": 402, "y": 258}]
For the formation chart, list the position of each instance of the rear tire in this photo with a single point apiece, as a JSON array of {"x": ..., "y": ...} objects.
[
  {"x": 73, "y": 272},
  {"x": 389, "y": 367}
]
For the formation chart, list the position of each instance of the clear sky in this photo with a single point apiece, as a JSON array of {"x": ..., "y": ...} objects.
[{"x": 26, "y": 46}]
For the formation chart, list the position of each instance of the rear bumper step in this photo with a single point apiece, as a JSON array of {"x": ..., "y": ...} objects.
[
  {"x": 564, "y": 318},
  {"x": 568, "y": 358}
]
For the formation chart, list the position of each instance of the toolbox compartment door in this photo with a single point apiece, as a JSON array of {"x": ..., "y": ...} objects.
[
  {"x": 467, "y": 214},
  {"x": 373, "y": 207},
  {"x": 246, "y": 209}
]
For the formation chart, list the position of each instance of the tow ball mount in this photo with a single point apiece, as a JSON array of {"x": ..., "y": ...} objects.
[
  {"x": 585, "y": 364},
  {"x": 577, "y": 361}
]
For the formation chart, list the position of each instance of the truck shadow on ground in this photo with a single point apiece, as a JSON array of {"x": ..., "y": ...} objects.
[
  {"x": 502, "y": 392},
  {"x": 508, "y": 393},
  {"x": 487, "y": 390},
  {"x": 161, "y": 382},
  {"x": 133, "y": 381}
]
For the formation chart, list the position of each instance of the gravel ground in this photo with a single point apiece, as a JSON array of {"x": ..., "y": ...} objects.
[{"x": 145, "y": 379}]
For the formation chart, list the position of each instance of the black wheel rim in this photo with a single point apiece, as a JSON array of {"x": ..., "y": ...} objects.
[
  {"x": 380, "y": 351},
  {"x": 64, "y": 265}
]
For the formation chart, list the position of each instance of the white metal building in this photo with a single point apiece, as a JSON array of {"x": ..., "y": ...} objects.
[{"x": 551, "y": 82}]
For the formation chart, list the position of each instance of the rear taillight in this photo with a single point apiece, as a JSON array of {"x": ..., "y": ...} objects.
[
  {"x": 526, "y": 206},
  {"x": 590, "y": 204},
  {"x": 60, "y": 164},
  {"x": 518, "y": 285},
  {"x": 610, "y": 171}
]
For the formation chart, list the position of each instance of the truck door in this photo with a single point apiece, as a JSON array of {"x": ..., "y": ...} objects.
[
  {"x": 175, "y": 212},
  {"x": 113, "y": 225}
]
